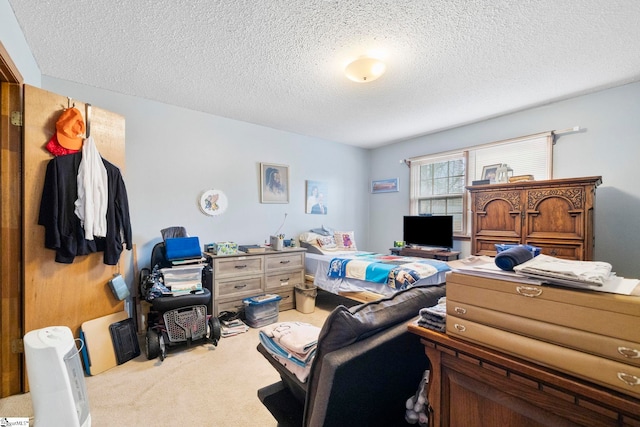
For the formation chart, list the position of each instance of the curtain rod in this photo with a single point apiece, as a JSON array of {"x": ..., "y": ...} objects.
[
  {"x": 567, "y": 130},
  {"x": 577, "y": 128}
]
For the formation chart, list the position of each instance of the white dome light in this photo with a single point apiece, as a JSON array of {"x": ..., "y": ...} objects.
[{"x": 365, "y": 69}]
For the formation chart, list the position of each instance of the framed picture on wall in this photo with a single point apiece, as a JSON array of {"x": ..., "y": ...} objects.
[
  {"x": 274, "y": 183},
  {"x": 384, "y": 185},
  {"x": 317, "y": 197}
]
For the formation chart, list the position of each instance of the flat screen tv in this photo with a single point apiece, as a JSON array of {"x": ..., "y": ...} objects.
[{"x": 428, "y": 230}]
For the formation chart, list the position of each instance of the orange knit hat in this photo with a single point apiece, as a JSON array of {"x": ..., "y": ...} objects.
[{"x": 70, "y": 129}]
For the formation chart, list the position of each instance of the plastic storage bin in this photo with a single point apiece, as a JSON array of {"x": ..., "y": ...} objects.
[
  {"x": 261, "y": 310},
  {"x": 183, "y": 279}
]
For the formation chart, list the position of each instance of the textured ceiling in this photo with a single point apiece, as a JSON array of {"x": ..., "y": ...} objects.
[{"x": 280, "y": 63}]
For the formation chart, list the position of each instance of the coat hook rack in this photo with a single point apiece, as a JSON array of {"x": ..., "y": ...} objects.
[{"x": 69, "y": 105}]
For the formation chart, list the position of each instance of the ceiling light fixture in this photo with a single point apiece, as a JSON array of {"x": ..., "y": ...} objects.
[{"x": 365, "y": 69}]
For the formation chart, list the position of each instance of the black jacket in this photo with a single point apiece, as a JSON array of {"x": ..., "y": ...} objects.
[{"x": 63, "y": 230}]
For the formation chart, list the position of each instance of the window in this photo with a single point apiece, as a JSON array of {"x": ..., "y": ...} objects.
[
  {"x": 438, "y": 181},
  {"x": 437, "y": 187}
]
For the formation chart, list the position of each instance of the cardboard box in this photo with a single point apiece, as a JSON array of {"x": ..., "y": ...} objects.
[{"x": 225, "y": 248}]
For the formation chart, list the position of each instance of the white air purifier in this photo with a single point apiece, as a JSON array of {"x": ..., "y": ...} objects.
[{"x": 56, "y": 378}]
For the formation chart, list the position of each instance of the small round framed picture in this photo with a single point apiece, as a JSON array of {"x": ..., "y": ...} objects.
[{"x": 213, "y": 202}]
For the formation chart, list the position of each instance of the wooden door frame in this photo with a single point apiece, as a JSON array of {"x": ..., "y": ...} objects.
[{"x": 11, "y": 277}]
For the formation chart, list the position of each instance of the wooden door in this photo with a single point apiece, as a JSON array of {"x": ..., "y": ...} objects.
[
  {"x": 62, "y": 294},
  {"x": 555, "y": 221},
  {"x": 10, "y": 241}
]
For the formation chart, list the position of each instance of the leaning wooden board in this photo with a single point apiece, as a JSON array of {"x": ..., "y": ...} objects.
[{"x": 98, "y": 352}]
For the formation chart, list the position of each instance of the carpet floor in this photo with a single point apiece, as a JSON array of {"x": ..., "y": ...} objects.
[{"x": 201, "y": 385}]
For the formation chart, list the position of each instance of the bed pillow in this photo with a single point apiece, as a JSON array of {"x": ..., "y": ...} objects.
[
  {"x": 323, "y": 230},
  {"x": 345, "y": 240},
  {"x": 326, "y": 242},
  {"x": 309, "y": 237}
]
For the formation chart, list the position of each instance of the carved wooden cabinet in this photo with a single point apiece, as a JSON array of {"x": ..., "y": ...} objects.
[
  {"x": 474, "y": 386},
  {"x": 554, "y": 215}
]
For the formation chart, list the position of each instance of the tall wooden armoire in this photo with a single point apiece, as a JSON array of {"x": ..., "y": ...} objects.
[{"x": 555, "y": 215}]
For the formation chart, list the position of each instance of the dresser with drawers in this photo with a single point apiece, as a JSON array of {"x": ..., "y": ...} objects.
[{"x": 240, "y": 276}]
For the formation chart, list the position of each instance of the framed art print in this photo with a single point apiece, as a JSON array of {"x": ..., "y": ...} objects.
[
  {"x": 384, "y": 186},
  {"x": 317, "y": 197},
  {"x": 212, "y": 202},
  {"x": 274, "y": 183},
  {"x": 489, "y": 172}
]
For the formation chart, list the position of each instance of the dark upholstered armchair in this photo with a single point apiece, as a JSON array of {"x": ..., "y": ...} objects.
[{"x": 366, "y": 367}]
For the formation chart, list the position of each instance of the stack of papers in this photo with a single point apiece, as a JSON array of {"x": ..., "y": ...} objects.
[{"x": 230, "y": 328}]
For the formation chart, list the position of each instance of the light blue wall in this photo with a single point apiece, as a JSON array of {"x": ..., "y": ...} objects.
[
  {"x": 608, "y": 145},
  {"x": 16, "y": 45},
  {"x": 173, "y": 154}
]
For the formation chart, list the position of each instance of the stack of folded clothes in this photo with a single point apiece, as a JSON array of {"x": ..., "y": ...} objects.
[
  {"x": 292, "y": 344},
  {"x": 434, "y": 317}
]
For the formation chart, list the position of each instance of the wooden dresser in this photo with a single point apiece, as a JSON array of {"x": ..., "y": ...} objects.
[
  {"x": 554, "y": 215},
  {"x": 240, "y": 276},
  {"x": 472, "y": 385}
]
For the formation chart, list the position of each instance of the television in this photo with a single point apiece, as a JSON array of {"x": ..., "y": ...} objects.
[{"x": 428, "y": 230}]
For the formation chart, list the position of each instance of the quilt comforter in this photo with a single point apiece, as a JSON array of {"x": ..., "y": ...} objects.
[{"x": 396, "y": 271}]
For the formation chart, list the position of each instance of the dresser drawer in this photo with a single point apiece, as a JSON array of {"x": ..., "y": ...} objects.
[
  {"x": 287, "y": 279},
  {"x": 600, "y": 345},
  {"x": 235, "y": 266},
  {"x": 286, "y": 261},
  {"x": 612, "y": 315},
  {"x": 288, "y": 299},
  {"x": 244, "y": 286},
  {"x": 622, "y": 377}
]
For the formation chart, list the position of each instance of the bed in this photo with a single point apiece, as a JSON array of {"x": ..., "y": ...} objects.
[{"x": 364, "y": 276}]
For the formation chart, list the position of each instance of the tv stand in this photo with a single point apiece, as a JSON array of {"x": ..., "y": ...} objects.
[{"x": 439, "y": 254}]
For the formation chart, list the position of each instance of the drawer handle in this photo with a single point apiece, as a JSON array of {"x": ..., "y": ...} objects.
[
  {"x": 241, "y": 266},
  {"x": 628, "y": 379},
  {"x": 630, "y": 353},
  {"x": 286, "y": 261},
  {"x": 284, "y": 280},
  {"x": 459, "y": 327},
  {"x": 460, "y": 310},
  {"x": 240, "y": 286},
  {"x": 529, "y": 291}
]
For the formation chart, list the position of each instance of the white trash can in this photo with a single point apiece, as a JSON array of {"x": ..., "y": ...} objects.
[{"x": 306, "y": 297}]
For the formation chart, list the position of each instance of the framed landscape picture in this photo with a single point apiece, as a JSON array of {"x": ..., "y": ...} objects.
[{"x": 384, "y": 185}]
